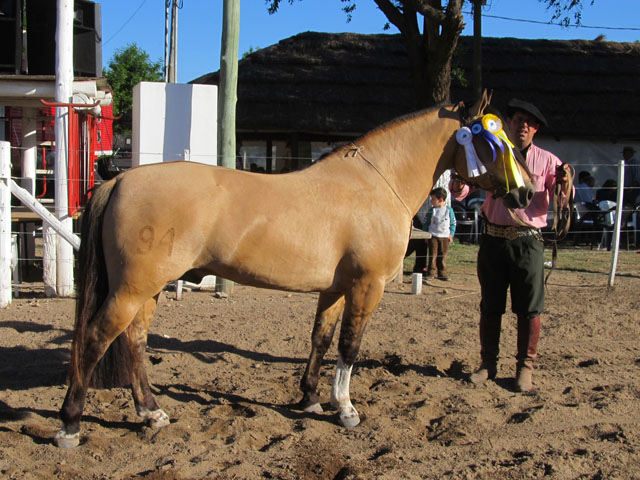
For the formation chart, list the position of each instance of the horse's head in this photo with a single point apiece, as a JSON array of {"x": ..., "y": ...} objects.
[{"x": 487, "y": 159}]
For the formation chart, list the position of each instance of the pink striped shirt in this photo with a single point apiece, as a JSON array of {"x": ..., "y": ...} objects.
[{"x": 543, "y": 169}]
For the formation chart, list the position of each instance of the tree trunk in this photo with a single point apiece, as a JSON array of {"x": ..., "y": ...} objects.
[{"x": 430, "y": 53}]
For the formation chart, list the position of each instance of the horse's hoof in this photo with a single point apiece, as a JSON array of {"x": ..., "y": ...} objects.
[
  {"x": 157, "y": 419},
  {"x": 66, "y": 440},
  {"x": 313, "y": 408},
  {"x": 349, "y": 420}
]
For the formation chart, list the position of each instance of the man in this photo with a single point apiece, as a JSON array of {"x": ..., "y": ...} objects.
[
  {"x": 511, "y": 256},
  {"x": 584, "y": 194}
]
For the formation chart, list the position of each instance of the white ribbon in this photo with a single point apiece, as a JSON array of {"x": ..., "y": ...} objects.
[
  {"x": 493, "y": 124},
  {"x": 475, "y": 166}
]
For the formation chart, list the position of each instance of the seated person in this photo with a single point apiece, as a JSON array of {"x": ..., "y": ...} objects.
[
  {"x": 608, "y": 191},
  {"x": 583, "y": 192}
]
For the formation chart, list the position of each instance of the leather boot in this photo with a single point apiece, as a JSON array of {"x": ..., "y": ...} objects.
[
  {"x": 528, "y": 335},
  {"x": 489, "y": 349}
]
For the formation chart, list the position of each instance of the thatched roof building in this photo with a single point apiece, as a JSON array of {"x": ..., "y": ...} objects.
[
  {"x": 323, "y": 85},
  {"x": 349, "y": 83}
]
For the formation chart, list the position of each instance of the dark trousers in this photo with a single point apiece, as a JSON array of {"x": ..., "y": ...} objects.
[
  {"x": 517, "y": 264},
  {"x": 418, "y": 245},
  {"x": 438, "y": 249}
]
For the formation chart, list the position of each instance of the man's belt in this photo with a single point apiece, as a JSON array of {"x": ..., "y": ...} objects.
[{"x": 512, "y": 232}]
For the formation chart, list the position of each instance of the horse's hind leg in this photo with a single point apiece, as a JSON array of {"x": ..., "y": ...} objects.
[
  {"x": 329, "y": 308},
  {"x": 110, "y": 321},
  {"x": 361, "y": 302},
  {"x": 146, "y": 405}
]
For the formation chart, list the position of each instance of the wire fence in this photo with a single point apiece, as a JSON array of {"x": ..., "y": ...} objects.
[
  {"x": 594, "y": 264},
  {"x": 589, "y": 238}
]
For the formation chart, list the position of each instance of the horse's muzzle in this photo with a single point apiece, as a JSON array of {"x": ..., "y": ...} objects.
[{"x": 518, "y": 197}]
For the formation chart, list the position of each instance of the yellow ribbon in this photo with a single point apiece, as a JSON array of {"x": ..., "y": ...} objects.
[{"x": 493, "y": 124}]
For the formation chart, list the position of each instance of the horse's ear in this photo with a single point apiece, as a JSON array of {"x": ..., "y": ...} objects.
[{"x": 481, "y": 104}]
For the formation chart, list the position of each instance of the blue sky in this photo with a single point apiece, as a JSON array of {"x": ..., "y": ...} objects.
[{"x": 200, "y": 25}]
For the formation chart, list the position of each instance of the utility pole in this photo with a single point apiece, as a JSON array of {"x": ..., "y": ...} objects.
[
  {"x": 477, "y": 48},
  {"x": 167, "y": 4},
  {"x": 64, "y": 88},
  {"x": 173, "y": 51},
  {"x": 227, "y": 98}
]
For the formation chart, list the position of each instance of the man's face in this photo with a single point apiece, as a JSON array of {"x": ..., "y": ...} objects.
[{"x": 523, "y": 127}]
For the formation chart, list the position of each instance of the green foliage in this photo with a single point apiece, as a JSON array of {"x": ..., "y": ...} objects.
[
  {"x": 563, "y": 8},
  {"x": 273, "y": 5},
  {"x": 250, "y": 51},
  {"x": 128, "y": 67}
]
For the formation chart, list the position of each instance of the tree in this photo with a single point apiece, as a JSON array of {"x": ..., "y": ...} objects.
[
  {"x": 563, "y": 8},
  {"x": 128, "y": 67},
  {"x": 431, "y": 50}
]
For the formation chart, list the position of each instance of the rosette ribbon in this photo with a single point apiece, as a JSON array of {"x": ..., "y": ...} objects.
[
  {"x": 478, "y": 129},
  {"x": 493, "y": 126},
  {"x": 475, "y": 167}
]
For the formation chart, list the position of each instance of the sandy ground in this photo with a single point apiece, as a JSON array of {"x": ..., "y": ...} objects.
[{"x": 226, "y": 371}]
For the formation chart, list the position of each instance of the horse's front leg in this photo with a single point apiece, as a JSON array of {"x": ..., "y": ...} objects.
[
  {"x": 145, "y": 402},
  {"x": 360, "y": 304},
  {"x": 330, "y": 307}
]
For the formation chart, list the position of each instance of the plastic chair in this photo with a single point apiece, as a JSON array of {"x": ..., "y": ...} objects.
[
  {"x": 631, "y": 226},
  {"x": 464, "y": 218},
  {"x": 583, "y": 223},
  {"x": 474, "y": 206}
]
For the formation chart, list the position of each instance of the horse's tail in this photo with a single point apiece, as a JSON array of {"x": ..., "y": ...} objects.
[{"x": 92, "y": 290}]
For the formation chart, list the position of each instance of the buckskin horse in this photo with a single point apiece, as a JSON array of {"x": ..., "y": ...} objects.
[{"x": 339, "y": 227}]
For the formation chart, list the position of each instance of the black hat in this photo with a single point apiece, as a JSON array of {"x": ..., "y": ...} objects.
[
  {"x": 629, "y": 149},
  {"x": 517, "y": 104}
]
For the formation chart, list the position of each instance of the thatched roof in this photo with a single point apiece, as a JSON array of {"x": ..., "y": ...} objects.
[{"x": 349, "y": 83}]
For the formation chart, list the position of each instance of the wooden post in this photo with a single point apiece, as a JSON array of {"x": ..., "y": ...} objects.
[
  {"x": 29, "y": 154},
  {"x": 173, "y": 50},
  {"x": 5, "y": 224},
  {"x": 477, "y": 48},
  {"x": 615, "y": 241},
  {"x": 167, "y": 4},
  {"x": 64, "y": 86},
  {"x": 227, "y": 96},
  {"x": 28, "y": 180}
]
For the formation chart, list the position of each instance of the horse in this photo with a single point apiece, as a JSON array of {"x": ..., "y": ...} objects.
[{"x": 340, "y": 227}]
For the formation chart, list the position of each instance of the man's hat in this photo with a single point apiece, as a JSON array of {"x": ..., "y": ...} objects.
[
  {"x": 628, "y": 149},
  {"x": 517, "y": 104}
]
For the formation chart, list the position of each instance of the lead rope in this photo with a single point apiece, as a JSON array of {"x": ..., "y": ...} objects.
[{"x": 562, "y": 209}]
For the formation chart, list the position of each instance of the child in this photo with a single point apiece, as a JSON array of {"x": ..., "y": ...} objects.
[{"x": 441, "y": 224}]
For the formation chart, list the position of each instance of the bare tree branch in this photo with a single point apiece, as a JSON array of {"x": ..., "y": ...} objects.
[
  {"x": 393, "y": 14},
  {"x": 423, "y": 7}
]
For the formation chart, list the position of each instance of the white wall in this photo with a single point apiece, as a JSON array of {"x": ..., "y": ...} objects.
[
  {"x": 173, "y": 121},
  {"x": 600, "y": 157}
]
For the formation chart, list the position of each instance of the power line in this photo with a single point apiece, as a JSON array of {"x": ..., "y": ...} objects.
[
  {"x": 555, "y": 24},
  {"x": 125, "y": 23}
]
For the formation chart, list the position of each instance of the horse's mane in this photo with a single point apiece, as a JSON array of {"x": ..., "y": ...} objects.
[
  {"x": 410, "y": 116},
  {"x": 388, "y": 124},
  {"x": 403, "y": 118}
]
